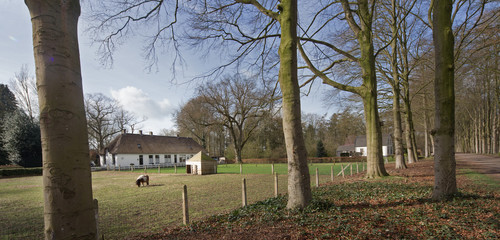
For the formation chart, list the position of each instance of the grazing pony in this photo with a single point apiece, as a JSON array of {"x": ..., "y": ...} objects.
[{"x": 142, "y": 179}]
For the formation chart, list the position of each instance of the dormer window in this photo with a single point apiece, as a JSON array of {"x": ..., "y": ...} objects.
[{"x": 138, "y": 145}]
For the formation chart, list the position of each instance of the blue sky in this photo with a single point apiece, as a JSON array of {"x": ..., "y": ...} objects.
[{"x": 150, "y": 94}]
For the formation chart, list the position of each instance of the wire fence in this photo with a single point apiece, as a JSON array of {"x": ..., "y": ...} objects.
[{"x": 126, "y": 210}]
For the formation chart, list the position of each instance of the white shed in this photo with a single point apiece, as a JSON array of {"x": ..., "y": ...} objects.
[{"x": 201, "y": 164}]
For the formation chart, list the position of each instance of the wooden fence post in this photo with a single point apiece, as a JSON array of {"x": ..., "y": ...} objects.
[
  {"x": 145, "y": 168},
  {"x": 119, "y": 168},
  {"x": 244, "y": 193},
  {"x": 357, "y": 168},
  {"x": 342, "y": 168},
  {"x": 185, "y": 208},
  {"x": 332, "y": 171},
  {"x": 96, "y": 212},
  {"x": 351, "y": 168},
  {"x": 317, "y": 177},
  {"x": 276, "y": 185},
  {"x": 272, "y": 168},
  {"x": 175, "y": 167},
  {"x": 158, "y": 168}
]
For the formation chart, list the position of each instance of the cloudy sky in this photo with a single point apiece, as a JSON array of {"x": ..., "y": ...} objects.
[{"x": 150, "y": 94}]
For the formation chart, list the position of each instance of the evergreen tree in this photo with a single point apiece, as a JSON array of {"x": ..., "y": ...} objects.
[
  {"x": 8, "y": 105},
  {"x": 320, "y": 149},
  {"x": 21, "y": 139}
]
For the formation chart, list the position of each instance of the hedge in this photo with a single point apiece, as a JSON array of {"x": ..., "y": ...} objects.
[{"x": 20, "y": 172}]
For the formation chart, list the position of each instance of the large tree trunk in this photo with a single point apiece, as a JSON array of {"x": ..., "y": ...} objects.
[
  {"x": 68, "y": 208},
  {"x": 299, "y": 183},
  {"x": 396, "y": 93},
  {"x": 398, "y": 134},
  {"x": 445, "y": 183},
  {"x": 375, "y": 161}
]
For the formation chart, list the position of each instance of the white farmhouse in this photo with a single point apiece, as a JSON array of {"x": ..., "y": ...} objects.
[
  {"x": 359, "y": 147},
  {"x": 387, "y": 145},
  {"x": 138, "y": 149}
]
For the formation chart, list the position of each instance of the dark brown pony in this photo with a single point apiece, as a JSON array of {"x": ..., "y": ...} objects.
[{"x": 142, "y": 179}]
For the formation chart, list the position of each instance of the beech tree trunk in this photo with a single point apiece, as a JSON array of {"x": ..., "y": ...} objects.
[
  {"x": 445, "y": 183},
  {"x": 398, "y": 133},
  {"x": 396, "y": 90},
  {"x": 68, "y": 203},
  {"x": 299, "y": 183},
  {"x": 375, "y": 161},
  {"x": 408, "y": 134}
]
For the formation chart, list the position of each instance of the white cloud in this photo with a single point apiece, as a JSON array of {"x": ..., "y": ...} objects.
[{"x": 158, "y": 112}]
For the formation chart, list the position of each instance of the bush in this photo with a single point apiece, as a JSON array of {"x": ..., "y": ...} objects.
[{"x": 20, "y": 172}]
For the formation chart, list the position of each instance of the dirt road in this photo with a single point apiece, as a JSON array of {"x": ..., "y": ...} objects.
[{"x": 488, "y": 165}]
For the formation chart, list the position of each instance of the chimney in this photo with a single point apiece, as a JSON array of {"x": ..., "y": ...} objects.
[
  {"x": 151, "y": 133},
  {"x": 140, "y": 132}
]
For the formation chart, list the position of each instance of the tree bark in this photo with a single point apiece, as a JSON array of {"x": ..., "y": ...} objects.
[
  {"x": 426, "y": 129},
  {"x": 398, "y": 134},
  {"x": 408, "y": 132},
  {"x": 68, "y": 207},
  {"x": 375, "y": 161},
  {"x": 445, "y": 184},
  {"x": 299, "y": 183},
  {"x": 396, "y": 93}
]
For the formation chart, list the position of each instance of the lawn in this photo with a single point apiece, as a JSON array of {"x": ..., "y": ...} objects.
[
  {"x": 125, "y": 209},
  {"x": 397, "y": 207},
  {"x": 280, "y": 168}
]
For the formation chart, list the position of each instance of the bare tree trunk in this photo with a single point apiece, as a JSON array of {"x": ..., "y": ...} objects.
[
  {"x": 426, "y": 128},
  {"x": 409, "y": 145},
  {"x": 68, "y": 208},
  {"x": 396, "y": 90},
  {"x": 299, "y": 183},
  {"x": 445, "y": 183},
  {"x": 398, "y": 133},
  {"x": 375, "y": 161}
]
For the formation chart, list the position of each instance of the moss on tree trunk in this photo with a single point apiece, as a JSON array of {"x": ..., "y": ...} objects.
[{"x": 445, "y": 183}]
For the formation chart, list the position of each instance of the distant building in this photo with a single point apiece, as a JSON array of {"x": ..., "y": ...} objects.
[
  {"x": 139, "y": 149},
  {"x": 359, "y": 147},
  {"x": 201, "y": 164}
]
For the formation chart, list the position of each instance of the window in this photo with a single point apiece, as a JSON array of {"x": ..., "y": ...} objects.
[
  {"x": 182, "y": 158},
  {"x": 141, "y": 160},
  {"x": 168, "y": 158},
  {"x": 157, "y": 159},
  {"x": 150, "y": 159},
  {"x": 175, "y": 158}
]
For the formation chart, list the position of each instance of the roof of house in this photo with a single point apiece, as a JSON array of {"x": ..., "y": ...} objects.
[
  {"x": 361, "y": 140},
  {"x": 346, "y": 148},
  {"x": 127, "y": 143},
  {"x": 200, "y": 157}
]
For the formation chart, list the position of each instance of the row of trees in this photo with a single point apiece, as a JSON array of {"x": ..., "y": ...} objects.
[
  {"x": 106, "y": 118},
  {"x": 338, "y": 43},
  {"x": 216, "y": 116}
]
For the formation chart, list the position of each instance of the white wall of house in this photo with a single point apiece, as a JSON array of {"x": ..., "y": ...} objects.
[
  {"x": 127, "y": 159},
  {"x": 386, "y": 151},
  {"x": 361, "y": 150}
]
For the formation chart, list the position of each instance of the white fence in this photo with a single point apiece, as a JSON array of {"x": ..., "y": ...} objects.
[{"x": 133, "y": 167}]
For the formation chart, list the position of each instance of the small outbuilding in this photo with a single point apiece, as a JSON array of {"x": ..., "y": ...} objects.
[{"x": 201, "y": 164}]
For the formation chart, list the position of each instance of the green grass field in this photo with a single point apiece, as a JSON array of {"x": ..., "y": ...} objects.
[
  {"x": 280, "y": 168},
  {"x": 125, "y": 209}
]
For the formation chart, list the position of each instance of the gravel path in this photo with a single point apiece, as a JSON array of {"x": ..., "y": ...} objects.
[{"x": 488, "y": 165}]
